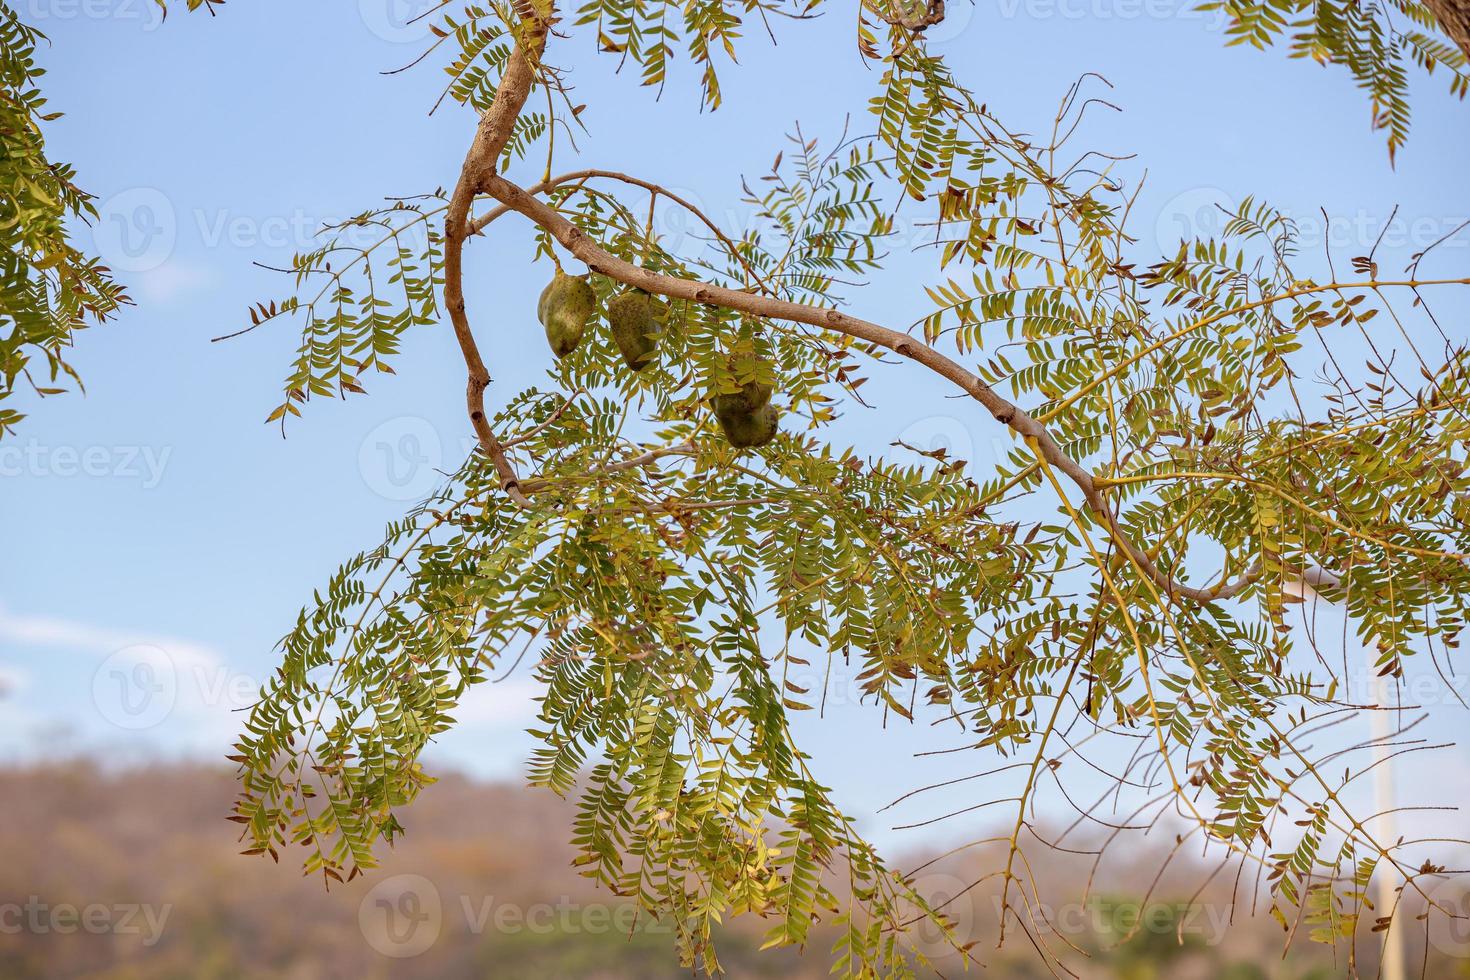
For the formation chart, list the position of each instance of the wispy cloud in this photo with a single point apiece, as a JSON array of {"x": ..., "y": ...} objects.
[
  {"x": 122, "y": 688},
  {"x": 86, "y": 638},
  {"x": 511, "y": 704}
]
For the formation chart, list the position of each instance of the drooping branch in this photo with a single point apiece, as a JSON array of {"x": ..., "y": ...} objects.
[
  {"x": 479, "y": 224},
  {"x": 1007, "y": 413},
  {"x": 479, "y": 176}
]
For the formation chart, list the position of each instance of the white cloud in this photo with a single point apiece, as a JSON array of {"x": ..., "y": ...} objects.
[
  {"x": 124, "y": 689},
  {"x": 507, "y": 705},
  {"x": 49, "y": 631},
  {"x": 169, "y": 281}
]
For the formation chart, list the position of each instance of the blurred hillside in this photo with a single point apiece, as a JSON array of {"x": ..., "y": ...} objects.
[{"x": 135, "y": 874}]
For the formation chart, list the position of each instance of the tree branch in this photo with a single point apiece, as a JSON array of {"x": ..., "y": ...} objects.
[
  {"x": 494, "y": 131},
  {"x": 915, "y": 17},
  {"x": 643, "y": 459},
  {"x": 1454, "y": 20},
  {"x": 602, "y": 262},
  {"x": 536, "y": 190},
  {"x": 533, "y": 433}
]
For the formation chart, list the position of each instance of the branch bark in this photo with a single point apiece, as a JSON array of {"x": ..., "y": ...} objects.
[
  {"x": 909, "y": 16},
  {"x": 494, "y": 131},
  {"x": 479, "y": 176},
  {"x": 1454, "y": 20},
  {"x": 574, "y": 240},
  {"x": 478, "y": 225}
]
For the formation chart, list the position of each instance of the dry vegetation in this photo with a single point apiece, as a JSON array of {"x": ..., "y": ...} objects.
[{"x": 76, "y": 834}]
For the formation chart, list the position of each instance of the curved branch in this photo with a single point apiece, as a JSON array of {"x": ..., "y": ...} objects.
[
  {"x": 536, "y": 190},
  {"x": 552, "y": 420},
  {"x": 1007, "y": 413},
  {"x": 494, "y": 131},
  {"x": 686, "y": 448}
]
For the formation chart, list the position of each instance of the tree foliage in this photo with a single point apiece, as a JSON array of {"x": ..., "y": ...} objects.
[
  {"x": 49, "y": 288},
  {"x": 1198, "y": 484},
  {"x": 1375, "y": 42},
  {"x": 1202, "y": 458}
]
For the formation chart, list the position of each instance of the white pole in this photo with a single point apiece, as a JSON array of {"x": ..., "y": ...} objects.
[{"x": 1386, "y": 877}]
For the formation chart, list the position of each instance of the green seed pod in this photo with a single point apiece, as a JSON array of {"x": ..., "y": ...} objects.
[
  {"x": 747, "y": 430},
  {"x": 567, "y": 304},
  {"x": 752, "y": 397},
  {"x": 636, "y": 321}
]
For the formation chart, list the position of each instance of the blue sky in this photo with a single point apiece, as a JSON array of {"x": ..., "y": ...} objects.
[{"x": 160, "y": 538}]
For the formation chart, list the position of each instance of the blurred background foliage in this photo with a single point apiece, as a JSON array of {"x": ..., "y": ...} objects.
[{"x": 75, "y": 833}]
